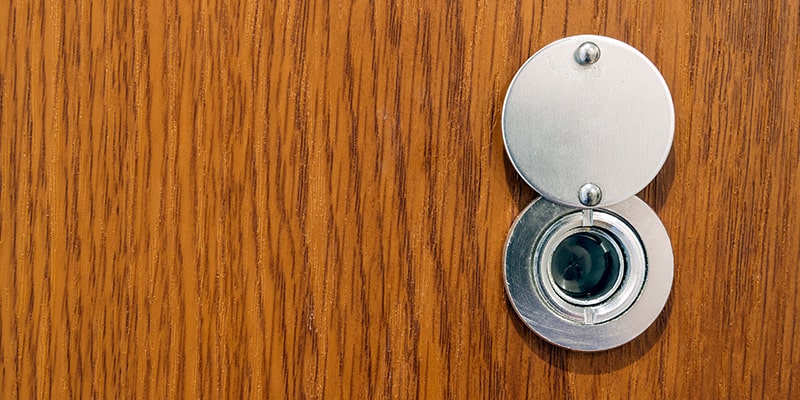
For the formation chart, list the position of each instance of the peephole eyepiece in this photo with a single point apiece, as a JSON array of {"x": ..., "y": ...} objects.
[{"x": 587, "y": 266}]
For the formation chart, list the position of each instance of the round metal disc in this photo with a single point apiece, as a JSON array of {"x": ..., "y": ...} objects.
[
  {"x": 538, "y": 314},
  {"x": 577, "y": 115}
]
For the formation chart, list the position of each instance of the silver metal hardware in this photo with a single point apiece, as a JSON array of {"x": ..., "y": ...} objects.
[
  {"x": 590, "y": 194},
  {"x": 587, "y": 53},
  {"x": 610, "y": 123},
  {"x": 614, "y": 317},
  {"x": 588, "y": 266}
]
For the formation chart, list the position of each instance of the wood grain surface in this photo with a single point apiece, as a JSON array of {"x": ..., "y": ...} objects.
[{"x": 310, "y": 200}]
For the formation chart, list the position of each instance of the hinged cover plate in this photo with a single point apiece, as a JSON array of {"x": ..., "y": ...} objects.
[{"x": 609, "y": 123}]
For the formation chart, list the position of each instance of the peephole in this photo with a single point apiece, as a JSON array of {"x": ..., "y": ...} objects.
[{"x": 588, "y": 122}]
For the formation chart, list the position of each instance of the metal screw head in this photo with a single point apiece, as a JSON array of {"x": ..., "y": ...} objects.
[
  {"x": 587, "y": 53},
  {"x": 590, "y": 194}
]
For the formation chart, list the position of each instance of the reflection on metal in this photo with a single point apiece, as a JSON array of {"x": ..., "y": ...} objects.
[
  {"x": 587, "y": 53},
  {"x": 588, "y": 266},
  {"x": 590, "y": 194}
]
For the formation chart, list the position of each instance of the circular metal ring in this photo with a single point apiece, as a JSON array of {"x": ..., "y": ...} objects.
[
  {"x": 628, "y": 283},
  {"x": 620, "y": 315}
]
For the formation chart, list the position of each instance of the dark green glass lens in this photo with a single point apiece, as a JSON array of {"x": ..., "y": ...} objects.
[{"x": 585, "y": 265}]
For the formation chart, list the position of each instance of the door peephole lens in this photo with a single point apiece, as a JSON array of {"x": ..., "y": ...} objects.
[{"x": 586, "y": 265}]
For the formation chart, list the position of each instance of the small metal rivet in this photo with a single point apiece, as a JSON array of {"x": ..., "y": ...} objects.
[
  {"x": 590, "y": 194},
  {"x": 588, "y": 53}
]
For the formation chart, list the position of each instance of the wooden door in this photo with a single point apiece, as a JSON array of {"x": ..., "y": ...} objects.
[{"x": 310, "y": 199}]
